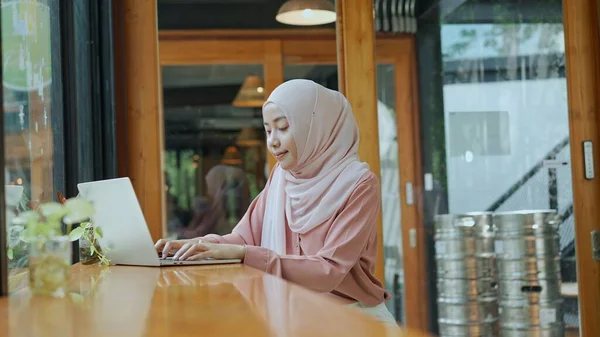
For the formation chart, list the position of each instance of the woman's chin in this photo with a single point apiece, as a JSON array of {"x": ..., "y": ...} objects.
[{"x": 286, "y": 165}]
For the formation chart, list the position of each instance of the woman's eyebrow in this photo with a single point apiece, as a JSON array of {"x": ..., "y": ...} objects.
[{"x": 276, "y": 120}]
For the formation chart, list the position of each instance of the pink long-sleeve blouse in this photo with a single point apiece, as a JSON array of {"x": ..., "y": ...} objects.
[{"x": 337, "y": 257}]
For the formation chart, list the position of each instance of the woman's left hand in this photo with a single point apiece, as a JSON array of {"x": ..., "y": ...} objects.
[{"x": 202, "y": 250}]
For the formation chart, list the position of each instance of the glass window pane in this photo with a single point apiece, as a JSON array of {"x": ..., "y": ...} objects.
[
  {"x": 215, "y": 154},
  {"x": 390, "y": 189},
  {"x": 29, "y": 85},
  {"x": 324, "y": 74},
  {"x": 501, "y": 143}
]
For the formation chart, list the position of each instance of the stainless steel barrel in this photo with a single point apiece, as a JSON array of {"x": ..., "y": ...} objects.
[
  {"x": 466, "y": 275},
  {"x": 528, "y": 263},
  {"x": 539, "y": 320}
]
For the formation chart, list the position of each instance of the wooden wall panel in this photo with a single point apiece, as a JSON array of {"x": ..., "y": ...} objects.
[
  {"x": 139, "y": 106},
  {"x": 583, "y": 84},
  {"x": 317, "y": 51},
  {"x": 192, "y": 52}
]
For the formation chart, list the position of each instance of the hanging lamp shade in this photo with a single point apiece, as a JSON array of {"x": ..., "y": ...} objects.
[
  {"x": 248, "y": 137},
  {"x": 251, "y": 94},
  {"x": 306, "y": 12},
  {"x": 231, "y": 156}
]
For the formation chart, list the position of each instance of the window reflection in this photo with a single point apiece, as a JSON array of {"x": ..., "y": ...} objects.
[
  {"x": 226, "y": 200},
  {"x": 215, "y": 158},
  {"x": 499, "y": 133},
  {"x": 28, "y": 115},
  {"x": 326, "y": 75}
]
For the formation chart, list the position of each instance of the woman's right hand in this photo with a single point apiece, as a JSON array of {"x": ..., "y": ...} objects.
[{"x": 166, "y": 247}]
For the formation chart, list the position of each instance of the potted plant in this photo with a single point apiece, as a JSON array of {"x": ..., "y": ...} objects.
[
  {"x": 46, "y": 229},
  {"x": 90, "y": 251}
]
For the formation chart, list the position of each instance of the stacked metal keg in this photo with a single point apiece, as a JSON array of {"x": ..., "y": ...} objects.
[
  {"x": 466, "y": 282},
  {"x": 528, "y": 261}
]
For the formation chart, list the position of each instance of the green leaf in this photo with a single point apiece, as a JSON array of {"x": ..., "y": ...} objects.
[
  {"x": 53, "y": 210},
  {"x": 10, "y": 253},
  {"x": 26, "y": 217},
  {"x": 79, "y": 210},
  {"x": 98, "y": 231},
  {"x": 76, "y": 234}
]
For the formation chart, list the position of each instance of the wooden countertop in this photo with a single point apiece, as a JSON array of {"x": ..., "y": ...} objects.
[{"x": 220, "y": 300}]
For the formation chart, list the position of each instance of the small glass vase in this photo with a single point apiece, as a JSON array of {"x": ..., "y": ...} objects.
[
  {"x": 50, "y": 266},
  {"x": 87, "y": 255}
]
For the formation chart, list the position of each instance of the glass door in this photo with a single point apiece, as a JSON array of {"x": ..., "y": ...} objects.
[
  {"x": 326, "y": 75},
  {"x": 498, "y": 141},
  {"x": 215, "y": 155}
]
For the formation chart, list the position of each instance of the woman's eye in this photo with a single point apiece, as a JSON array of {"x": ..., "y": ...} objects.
[
  {"x": 268, "y": 132},
  {"x": 283, "y": 128}
]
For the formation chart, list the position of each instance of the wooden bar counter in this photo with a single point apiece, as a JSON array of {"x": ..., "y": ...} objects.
[{"x": 220, "y": 300}]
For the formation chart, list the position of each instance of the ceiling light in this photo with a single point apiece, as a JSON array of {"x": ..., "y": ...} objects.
[
  {"x": 231, "y": 156},
  {"x": 306, "y": 12},
  {"x": 251, "y": 94}
]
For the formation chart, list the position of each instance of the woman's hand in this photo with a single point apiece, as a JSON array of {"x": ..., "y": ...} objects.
[
  {"x": 165, "y": 247},
  {"x": 201, "y": 250}
]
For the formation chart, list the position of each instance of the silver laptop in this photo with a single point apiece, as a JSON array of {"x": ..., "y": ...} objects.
[{"x": 124, "y": 228}]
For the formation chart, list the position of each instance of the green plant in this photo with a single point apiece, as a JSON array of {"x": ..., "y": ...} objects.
[
  {"x": 92, "y": 253},
  {"x": 45, "y": 229},
  {"x": 53, "y": 219}
]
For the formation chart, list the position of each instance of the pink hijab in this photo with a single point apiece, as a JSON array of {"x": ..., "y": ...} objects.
[{"x": 328, "y": 167}]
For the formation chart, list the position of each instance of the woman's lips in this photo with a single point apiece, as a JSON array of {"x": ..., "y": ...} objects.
[{"x": 280, "y": 155}]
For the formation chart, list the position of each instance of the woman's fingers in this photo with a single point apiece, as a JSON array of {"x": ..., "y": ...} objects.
[
  {"x": 189, "y": 249},
  {"x": 202, "y": 255},
  {"x": 182, "y": 250},
  {"x": 197, "y": 248},
  {"x": 159, "y": 244},
  {"x": 167, "y": 248}
]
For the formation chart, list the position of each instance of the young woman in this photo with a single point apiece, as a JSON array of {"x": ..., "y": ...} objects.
[{"x": 314, "y": 223}]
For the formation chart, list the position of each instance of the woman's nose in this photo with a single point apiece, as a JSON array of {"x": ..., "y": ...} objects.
[{"x": 273, "y": 140}]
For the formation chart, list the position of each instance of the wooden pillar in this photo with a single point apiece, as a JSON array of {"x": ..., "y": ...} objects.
[
  {"x": 583, "y": 84},
  {"x": 357, "y": 75},
  {"x": 139, "y": 106}
]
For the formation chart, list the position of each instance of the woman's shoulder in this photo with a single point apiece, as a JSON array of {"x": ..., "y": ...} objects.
[
  {"x": 369, "y": 180},
  {"x": 367, "y": 186}
]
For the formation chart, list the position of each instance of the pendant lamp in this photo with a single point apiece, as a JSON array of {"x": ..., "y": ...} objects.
[
  {"x": 306, "y": 12},
  {"x": 251, "y": 94},
  {"x": 231, "y": 156}
]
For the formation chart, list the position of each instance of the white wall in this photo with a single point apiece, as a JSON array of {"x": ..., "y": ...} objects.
[{"x": 538, "y": 121}]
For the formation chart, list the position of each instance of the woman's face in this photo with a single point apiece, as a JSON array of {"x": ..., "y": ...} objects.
[{"x": 280, "y": 140}]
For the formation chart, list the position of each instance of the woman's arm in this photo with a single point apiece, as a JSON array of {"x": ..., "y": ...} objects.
[{"x": 343, "y": 246}]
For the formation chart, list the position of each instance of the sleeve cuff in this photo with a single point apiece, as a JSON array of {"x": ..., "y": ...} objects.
[{"x": 257, "y": 258}]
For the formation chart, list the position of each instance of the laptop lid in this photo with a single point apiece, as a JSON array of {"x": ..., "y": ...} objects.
[{"x": 120, "y": 216}]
